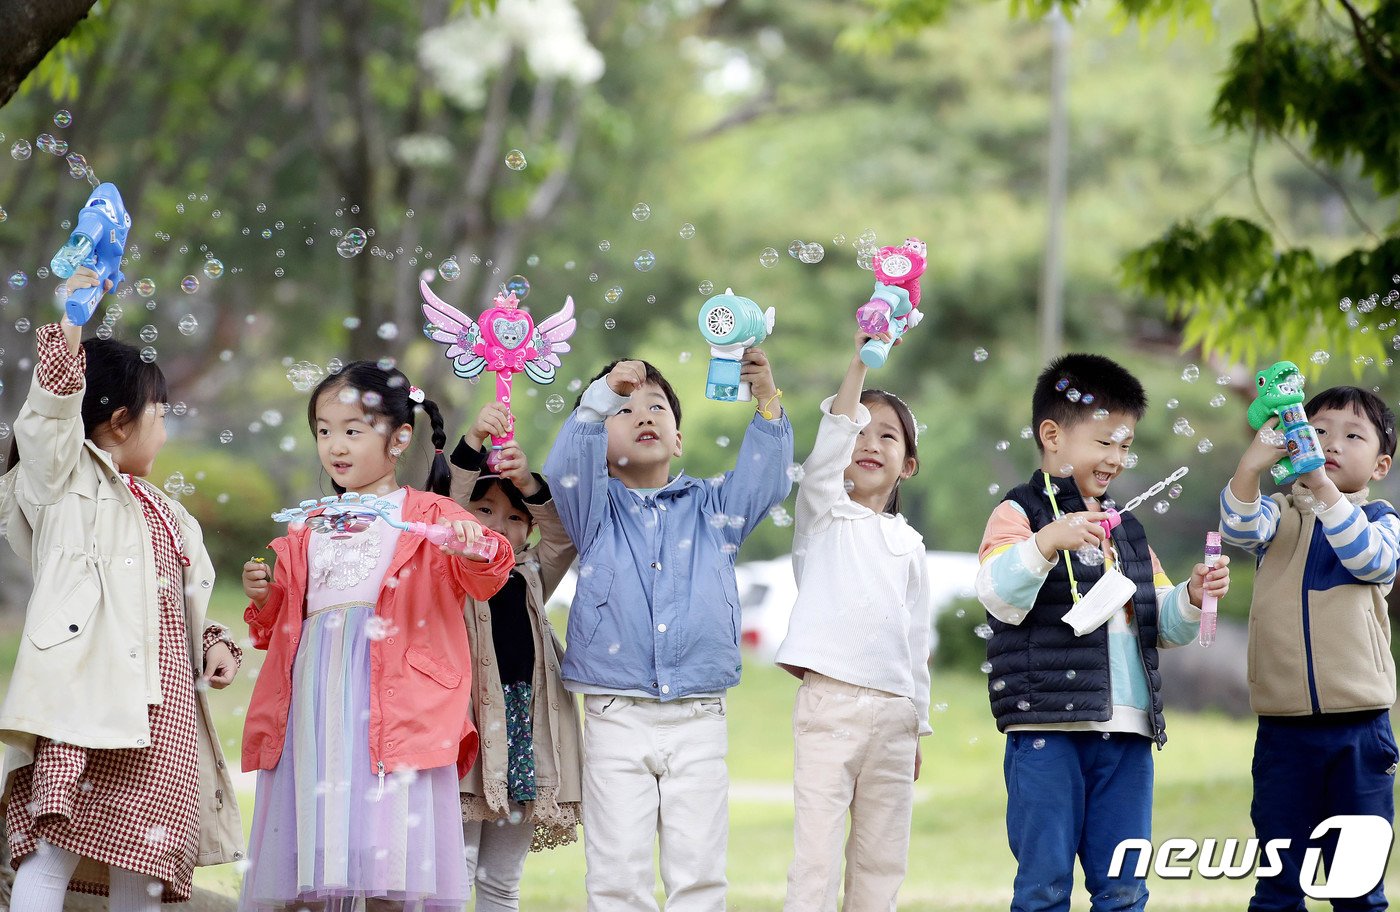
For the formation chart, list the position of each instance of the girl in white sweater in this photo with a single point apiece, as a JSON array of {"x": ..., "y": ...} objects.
[{"x": 858, "y": 638}]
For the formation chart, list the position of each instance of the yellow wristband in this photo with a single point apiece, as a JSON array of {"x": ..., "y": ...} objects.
[{"x": 763, "y": 409}]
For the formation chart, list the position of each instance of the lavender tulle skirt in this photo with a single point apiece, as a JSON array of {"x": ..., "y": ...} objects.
[{"x": 325, "y": 830}]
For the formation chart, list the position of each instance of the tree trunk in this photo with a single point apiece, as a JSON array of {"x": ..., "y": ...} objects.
[{"x": 28, "y": 31}]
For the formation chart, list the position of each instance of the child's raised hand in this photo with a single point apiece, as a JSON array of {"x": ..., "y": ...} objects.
[
  {"x": 512, "y": 465},
  {"x": 1071, "y": 532},
  {"x": 1267, "y": 448},
  {"x": 626, "y": 377},
  {"x": 492, "y": 421},
  {"x": 758, "y": 373},
  {"x": 1215, "y": 580},
  {"x": 257, "y": 579},
  {"x": 863, "y": 337},
  {"x": 219, "y": 665},
  {"x": 84, "y": 277}
]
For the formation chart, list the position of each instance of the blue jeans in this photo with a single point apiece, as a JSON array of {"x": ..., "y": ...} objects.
[
  {"x": 1076, "y": 794},
  {"x": 1305, "y": 771}
]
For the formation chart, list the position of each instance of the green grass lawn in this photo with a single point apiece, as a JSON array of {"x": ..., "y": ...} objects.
[{"x": 959, "y": 858}]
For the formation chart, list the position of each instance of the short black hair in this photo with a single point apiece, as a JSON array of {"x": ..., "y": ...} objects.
[
  {"x": 116, "y": 377},
  {"x": 508, "y": 488},
  {"x": 653, "y": 376},
  {"x": 1364, "y": 403},
  {"x": 1074, "y": 386}
]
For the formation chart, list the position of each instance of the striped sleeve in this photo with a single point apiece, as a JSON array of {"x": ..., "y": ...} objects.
[
  {"x": 1368, "y": 548},
  {"x": 1250, "y": 526},
  {"x": 1013, "y": 569}
]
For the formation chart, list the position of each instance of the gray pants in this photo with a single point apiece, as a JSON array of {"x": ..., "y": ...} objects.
[{"x": 496, "y": 851}]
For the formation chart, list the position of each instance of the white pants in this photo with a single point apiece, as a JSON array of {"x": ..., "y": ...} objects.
[
  {"x": 496, "y": 851},
  {"x": 854, "y": 754},
  {"x": 655, "y": 772}
]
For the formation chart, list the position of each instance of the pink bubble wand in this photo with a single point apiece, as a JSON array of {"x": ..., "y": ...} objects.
[{"x": 506, "y": 341}]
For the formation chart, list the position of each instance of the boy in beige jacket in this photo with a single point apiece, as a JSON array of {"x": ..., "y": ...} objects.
[{"x": 1321, "y": 676}]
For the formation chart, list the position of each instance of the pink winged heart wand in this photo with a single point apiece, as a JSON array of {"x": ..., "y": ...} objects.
[{"x": 506, "y": 341}]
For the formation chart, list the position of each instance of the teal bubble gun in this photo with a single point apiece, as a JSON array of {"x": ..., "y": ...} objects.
[
  {"x": 1281, "y": 394},
  {"x": 99, "y": 243},
  {"x": 731, "y": 324}
]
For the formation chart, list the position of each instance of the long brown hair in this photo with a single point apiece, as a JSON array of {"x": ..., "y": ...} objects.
[{"x": 906, "y": 424}]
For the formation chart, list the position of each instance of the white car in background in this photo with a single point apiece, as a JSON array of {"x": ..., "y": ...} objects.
[{"x": 767, "y": 592}]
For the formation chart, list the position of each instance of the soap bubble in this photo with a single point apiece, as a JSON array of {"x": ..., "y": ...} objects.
[
  {"x": 1101, "y": 414},
  {"x": 1174, "y": 491},
  {"x": 449, "y": 269},
  {"x": 555, "y": 403},
  {"x": 213, "y": 268},
  {"x": 722, "y": 441},
  {"x": 687, "y": 231},
  {"x": 1183, "y": 428},
  {"x": 149, "y": 333},
  {"x": 350, "y": 244},
  {"x": 21, "y": 150},
  {"x": 706, "y": 287},
  {"x": 610, "y": 323},
  {"x": 983, "y": 631},
  {"x": 1073, "y": 395},
  {"x": 613, "y": 295},
  {"x": 387, "y": 331},
  {"x": 979, "y": 355},
  {"x": 997, "y": 685},
  {"x": 812, "y": 253},
  {"x": 1038, "y": 743},
  {"x": 1089, "y": 556},
  {"x": 795, "y": 249},
  {"x": 986, "y": 668},
  {"x": 1191, "y": 374},
  {"x": 1161, "y": 507},
  {"x": 77, "y": 166},
  {"x": 18, "y": 279},
  {"x": 145, "y": 288},
  {"x": 1026, "y": 432},
  {"x": 993, "y": 488},
  {"x": 839, "y": 240},
  {"x": 645, "y": 261},
  {"x": 605, "y": 245},
  {"x": 795, "y": 472},
  {"x": 768, "y": 258},
  {"x": 62, "y": 118},
  {"x": 1173, "y": 403},
  {"x": 148, "y": 354},
  {"x": 1217, "y": 400},
  {"x": 1320, "y": 357},
  {"x": 515, "y": 160},
  {"x": 22, "y": 325},
  {"x": 1002, "y": 445},
  {"x": 1023, "y": 705},
  {"x": 1130, "y": 461},
  {"x": 641, "y": 212},
  {"x": 1205, "y": 446},
  {"x": 189, "y": 284}
]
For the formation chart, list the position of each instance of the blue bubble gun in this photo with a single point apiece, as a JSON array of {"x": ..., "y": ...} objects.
[{"x": 99, "y": 243}]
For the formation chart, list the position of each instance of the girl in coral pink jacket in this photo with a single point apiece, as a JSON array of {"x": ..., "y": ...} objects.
[{"x": 360, "y": 722}]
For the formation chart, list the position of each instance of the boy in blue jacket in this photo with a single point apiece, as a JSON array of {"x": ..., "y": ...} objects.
[{"x": 653, "y": 639}]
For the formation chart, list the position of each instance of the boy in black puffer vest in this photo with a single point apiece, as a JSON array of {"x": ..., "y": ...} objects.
[{"x": 1080, "y": 712}]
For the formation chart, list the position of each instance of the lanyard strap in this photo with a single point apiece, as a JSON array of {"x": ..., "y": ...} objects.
[
  {"x": 176, "y": 540},
  {"x": 1069, "y": 565}
]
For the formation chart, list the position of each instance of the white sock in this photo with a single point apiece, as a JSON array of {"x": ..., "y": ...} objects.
[
  {"x": 41, "y": 883},
  {"x": 133, "y": 892}
]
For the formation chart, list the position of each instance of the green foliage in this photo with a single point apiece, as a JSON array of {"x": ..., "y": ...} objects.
[
  {"x": 233, "y": 501},
  {"x": 960, "y": 649}
]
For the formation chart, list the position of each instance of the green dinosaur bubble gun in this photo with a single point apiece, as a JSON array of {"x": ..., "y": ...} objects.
[{"x": 1281, "y": 394}]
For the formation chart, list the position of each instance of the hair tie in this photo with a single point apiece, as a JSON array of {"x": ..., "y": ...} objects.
[{"x": 416, "y": 394}]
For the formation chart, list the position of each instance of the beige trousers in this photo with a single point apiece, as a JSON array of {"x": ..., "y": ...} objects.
[
  {"x": 854, "y": 758},
  {"x": 654, "y": 777}
]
